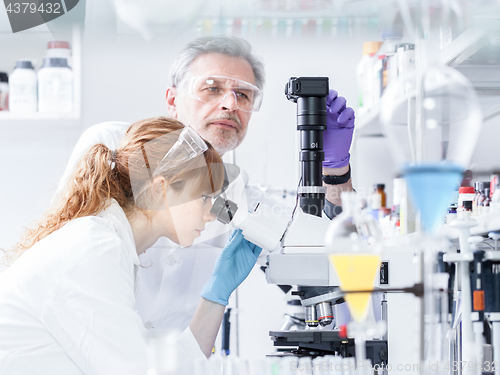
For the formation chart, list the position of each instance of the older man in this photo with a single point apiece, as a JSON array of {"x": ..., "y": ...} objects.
[{"x": 215, "y": 86}]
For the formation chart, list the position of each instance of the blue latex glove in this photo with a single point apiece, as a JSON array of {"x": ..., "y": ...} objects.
[
  {"x": 232, "y": 267},
  {"x": 337, "y": 137}
]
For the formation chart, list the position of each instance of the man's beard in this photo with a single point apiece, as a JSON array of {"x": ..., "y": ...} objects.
[{"x": 223, "y": 140}]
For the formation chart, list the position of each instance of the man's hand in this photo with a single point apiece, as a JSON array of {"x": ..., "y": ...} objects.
[{"x": 338, "y": 136}]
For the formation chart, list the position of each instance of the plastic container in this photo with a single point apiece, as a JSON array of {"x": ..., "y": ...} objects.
[
  {"x": 364, "y": 73},
  {"x": 378, "y": 78},
  {"x": 406, "y": 58},
  {"x": 392, "y": 37},
  {"x": 59, "y": 49},
  {"x": 465, "y": 193},
  {"x": 479, "y": 196},
  {"x": 495, "y": 199},
  {"x": 55, "y": 86},
  {"x": 22, "y": 88},
  {"x": 494, "y": 181},
  {"x": 4, "y": 91},
  {"x": 486, "y": 204}
]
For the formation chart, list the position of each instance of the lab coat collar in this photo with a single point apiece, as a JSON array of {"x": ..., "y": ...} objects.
[{"x": 116, "y": 215}]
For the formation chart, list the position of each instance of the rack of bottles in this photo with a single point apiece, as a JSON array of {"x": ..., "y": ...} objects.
[
  {"x": 392, "y": 60},
  {"x": 28, "y": 92},
  {"x": 287, "y": 27}
]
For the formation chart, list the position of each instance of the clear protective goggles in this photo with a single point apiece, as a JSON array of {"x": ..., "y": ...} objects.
[
  {"x": 216, "y": 89},
  {"x": 187, "y": 147},
  {"x": 184, "y": 160}
]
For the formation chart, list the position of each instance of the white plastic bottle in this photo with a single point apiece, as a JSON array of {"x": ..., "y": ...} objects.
[
  {"x": 384, "y": 65},
  {"x": 22, "y": 95},
  {"x": 364, "y": 73},
  {"x": 406, "y": 58},
  {"x": 4, "y": 91},
  {"x": 55, "y": 86},
  {"x": 59, "y": 49},
  {"x": 495, "y": 200}
]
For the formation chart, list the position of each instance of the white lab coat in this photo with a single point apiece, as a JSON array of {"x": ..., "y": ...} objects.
[
  {"x": 67, "y": 304},
  {"x": 171, "y": 277}
]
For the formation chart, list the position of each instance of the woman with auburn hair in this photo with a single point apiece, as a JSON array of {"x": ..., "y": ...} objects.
[{"x": 67, "y": 300}]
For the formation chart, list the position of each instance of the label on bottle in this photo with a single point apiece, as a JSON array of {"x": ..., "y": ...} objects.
[
  {"x": 55, "y": 89},
  {"x": 22, "y": 97},
  {"x": 376, "y": 201}
]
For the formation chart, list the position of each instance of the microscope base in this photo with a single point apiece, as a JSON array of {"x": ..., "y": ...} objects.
[{"x": 316, "y": 343}]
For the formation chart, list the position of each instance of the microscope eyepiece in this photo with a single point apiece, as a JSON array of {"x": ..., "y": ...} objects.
[{"x": 310, "y": 95}]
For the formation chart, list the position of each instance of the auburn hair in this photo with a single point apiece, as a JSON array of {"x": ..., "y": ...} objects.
[{"x": 103, "y": 174}]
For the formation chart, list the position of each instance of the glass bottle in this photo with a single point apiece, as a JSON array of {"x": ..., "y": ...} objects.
[
  {"x": 495, "y": 199},
  {"x": 486, "y": 204},
  {"x": 379, "y": 197}
]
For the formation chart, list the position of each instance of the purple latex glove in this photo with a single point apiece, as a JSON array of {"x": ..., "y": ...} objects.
[{"x": 338, "y": 135}]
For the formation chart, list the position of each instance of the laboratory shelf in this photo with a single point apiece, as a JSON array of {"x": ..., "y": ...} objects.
[
  {"x": 486, "y": 223},
  {"x": 456, "y": 53},
  {"x": 368, "y": 124},
  {"x": 33, "y": 44},
  {"x": 463, "y": 47},
  {"x": 6, "y": 115}
]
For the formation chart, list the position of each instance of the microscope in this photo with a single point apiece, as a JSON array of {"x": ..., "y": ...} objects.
[{"x": 298, "y": 256}]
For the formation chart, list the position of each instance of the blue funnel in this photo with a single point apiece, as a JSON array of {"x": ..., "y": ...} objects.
[{"x": 430, "y": 187}]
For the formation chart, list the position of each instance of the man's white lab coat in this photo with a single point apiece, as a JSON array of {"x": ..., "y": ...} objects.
[{"x": 67, "y": 304}]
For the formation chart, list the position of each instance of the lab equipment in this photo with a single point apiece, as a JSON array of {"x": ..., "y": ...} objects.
[
  {"x": 55, "y": 86},
  {"x": 310, "y": 95},
  {"x": 232, "y": 267},
  {"x": 432, "y": 119},
  {"x": 23, "y": 88},
  {"x": 339, "y": 130},
  {"x": 353, "y": 244},
  {"x": 441, "y": 111},
  {"x": 301, "y": 260},
  {"x": 216, "y": 89}
]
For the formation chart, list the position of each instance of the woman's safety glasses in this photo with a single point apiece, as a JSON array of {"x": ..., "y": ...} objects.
[{"x": 216, "y": 89}]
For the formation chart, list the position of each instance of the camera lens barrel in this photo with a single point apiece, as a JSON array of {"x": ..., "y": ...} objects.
[{"x": 311, "y": 122}]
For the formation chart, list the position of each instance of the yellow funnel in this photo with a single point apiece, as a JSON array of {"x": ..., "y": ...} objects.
[{"x": 356, "y": 272}]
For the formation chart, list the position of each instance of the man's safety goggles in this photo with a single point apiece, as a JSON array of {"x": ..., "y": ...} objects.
[{"x": 216, "y": 89}]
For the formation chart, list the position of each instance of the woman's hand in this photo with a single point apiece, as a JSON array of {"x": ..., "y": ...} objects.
[{"x": 232, "y": 267}]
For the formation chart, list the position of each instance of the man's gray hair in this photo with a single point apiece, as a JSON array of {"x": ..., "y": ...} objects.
[{"x": 230, "y": 46}]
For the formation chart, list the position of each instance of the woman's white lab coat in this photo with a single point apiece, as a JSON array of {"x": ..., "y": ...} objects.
[{"x": 67, "y": 304}]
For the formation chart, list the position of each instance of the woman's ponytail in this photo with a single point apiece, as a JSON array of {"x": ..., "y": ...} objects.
[{"x": 89, "y": 190}]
